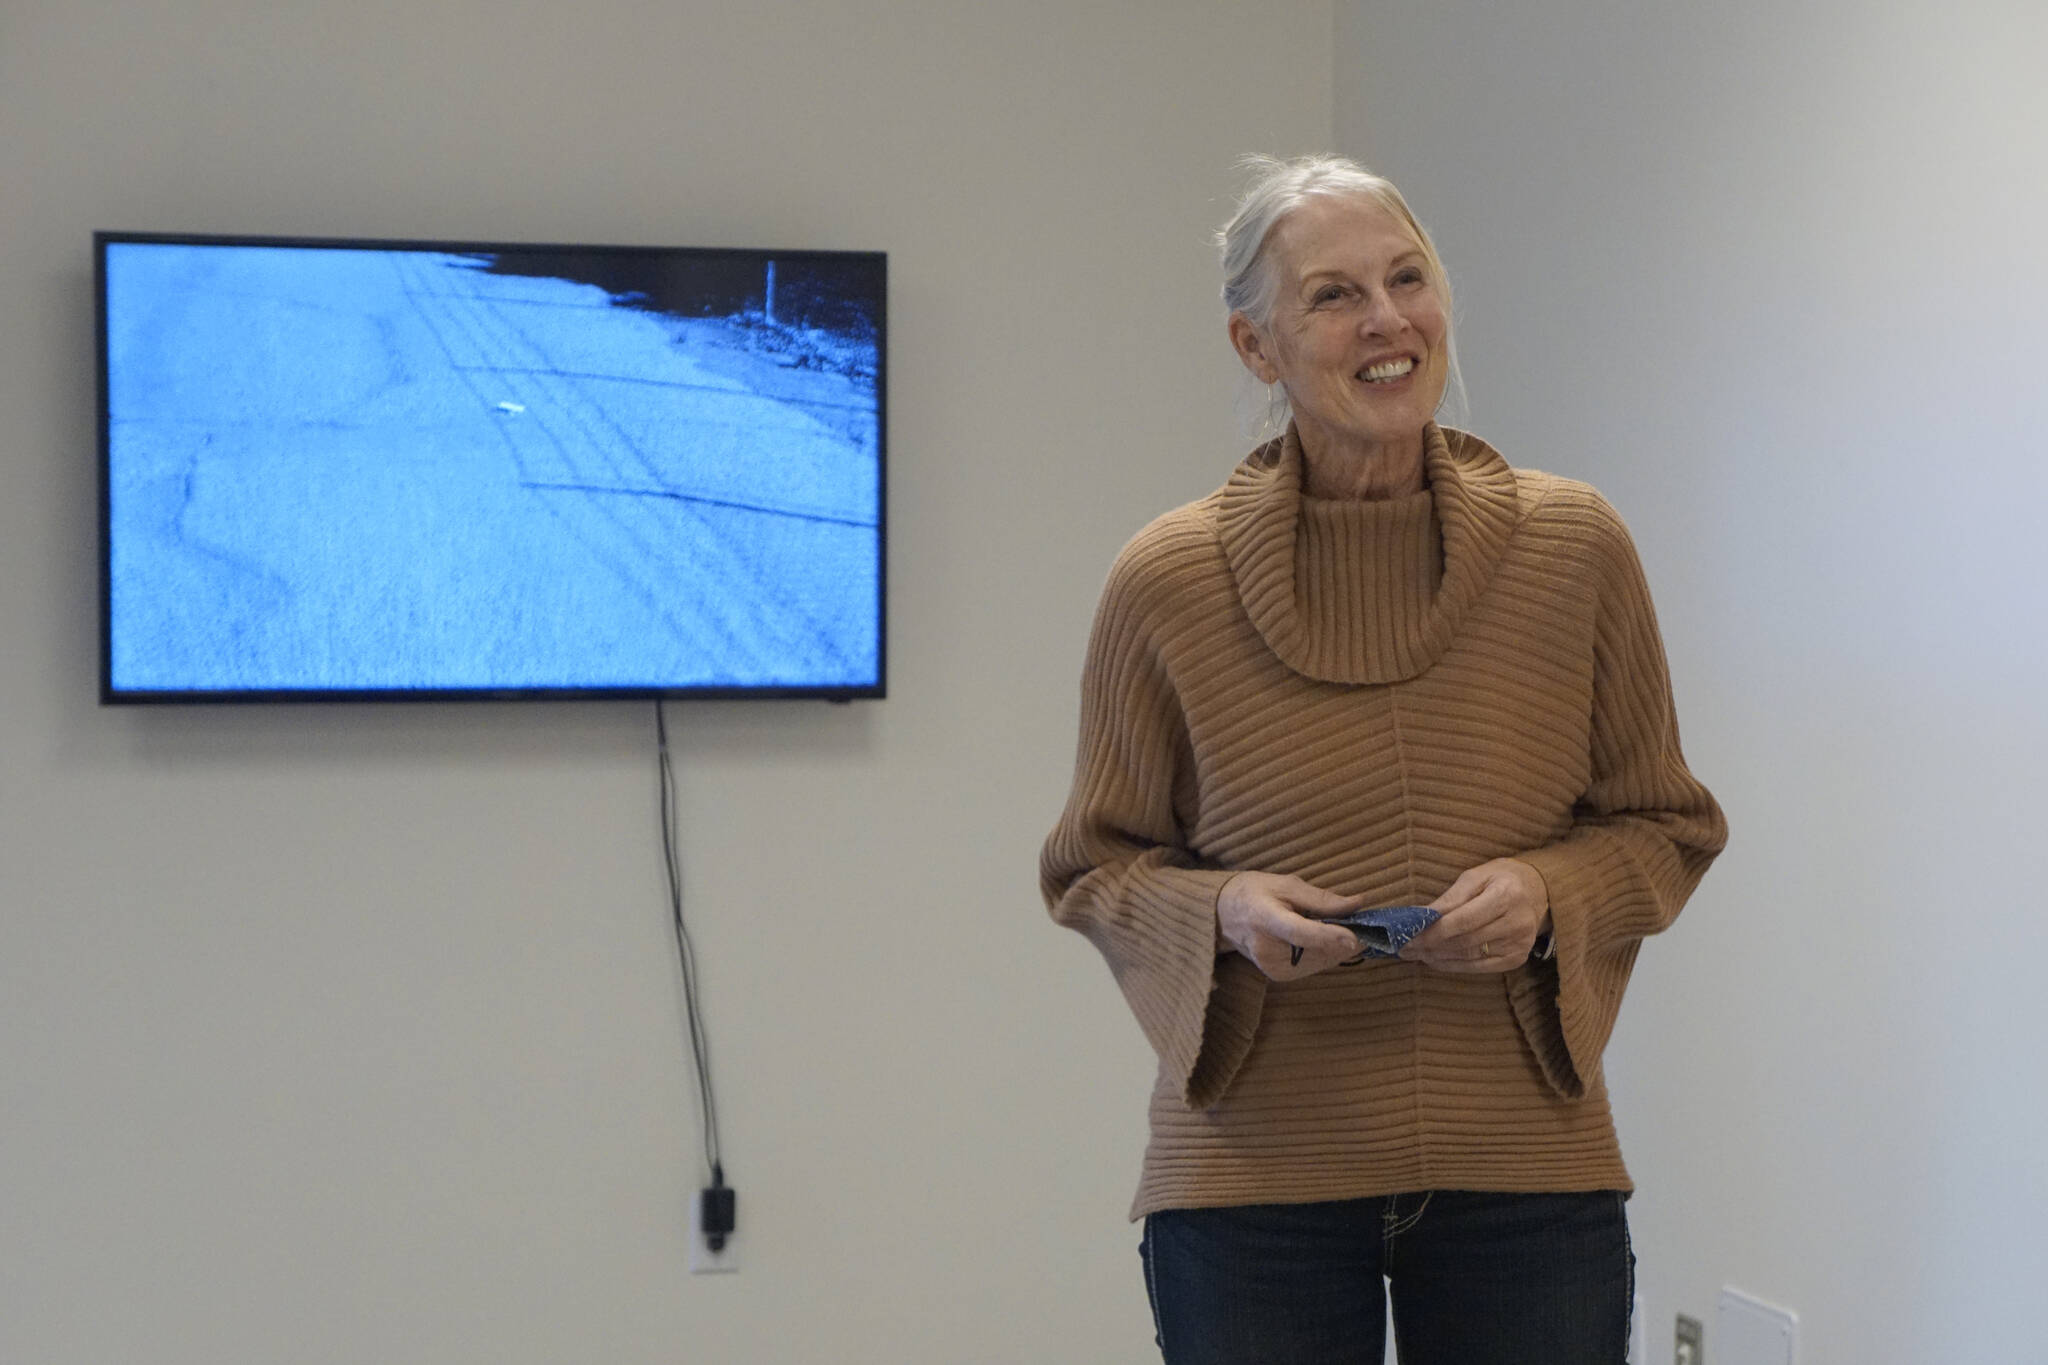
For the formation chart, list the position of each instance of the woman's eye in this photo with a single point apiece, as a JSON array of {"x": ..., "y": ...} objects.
[
  {"x": 1329, "y": 294},
  {"x": 1409, "y": 276}
]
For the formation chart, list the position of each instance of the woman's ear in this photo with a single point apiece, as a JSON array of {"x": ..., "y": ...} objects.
[{"x": 1251, "y": 349}]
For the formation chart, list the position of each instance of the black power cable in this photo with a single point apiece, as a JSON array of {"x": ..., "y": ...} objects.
[{"x": 716, "y": 1214}]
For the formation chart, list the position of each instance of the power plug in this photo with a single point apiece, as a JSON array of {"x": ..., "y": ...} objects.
[{"x": 714, "y": 1223}]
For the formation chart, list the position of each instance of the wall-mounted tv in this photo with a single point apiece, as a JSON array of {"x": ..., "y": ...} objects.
[{"x": 362, "y": 470}]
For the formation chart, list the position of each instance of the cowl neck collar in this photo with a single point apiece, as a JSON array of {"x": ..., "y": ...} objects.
[{"x": 1380, "y": 615}]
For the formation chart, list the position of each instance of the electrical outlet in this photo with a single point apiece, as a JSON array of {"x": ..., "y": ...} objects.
[
  {"x": 703, "y": 1260},
  {"x": 1690, "y": 1346}
]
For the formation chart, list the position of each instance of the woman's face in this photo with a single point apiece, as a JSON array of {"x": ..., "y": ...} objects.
[{"x": 1357, "y": 331}]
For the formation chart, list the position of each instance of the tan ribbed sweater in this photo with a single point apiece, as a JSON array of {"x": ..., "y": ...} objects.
[{"x": 1376, "y": 696}]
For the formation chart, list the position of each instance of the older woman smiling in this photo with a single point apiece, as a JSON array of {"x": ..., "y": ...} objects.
[{"x": 1378, "y": 668}]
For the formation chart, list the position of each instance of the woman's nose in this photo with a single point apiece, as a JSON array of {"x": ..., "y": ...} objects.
[{"x": 1380, "y": 315}]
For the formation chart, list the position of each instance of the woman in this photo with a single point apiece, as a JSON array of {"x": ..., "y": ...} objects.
[{"x": 1378, "y": 667}]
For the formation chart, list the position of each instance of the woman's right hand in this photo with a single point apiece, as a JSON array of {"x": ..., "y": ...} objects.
[{"x": 1266, "y": 917}]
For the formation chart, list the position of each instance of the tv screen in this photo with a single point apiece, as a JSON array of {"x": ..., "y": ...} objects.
[{"x": 405, "y": 470}]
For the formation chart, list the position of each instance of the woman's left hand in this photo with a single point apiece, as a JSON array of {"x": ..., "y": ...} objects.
[{"x": 1492, "y": 916}]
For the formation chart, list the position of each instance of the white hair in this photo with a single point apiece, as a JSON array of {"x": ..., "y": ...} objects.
[{"x": 1251, "y": 276}]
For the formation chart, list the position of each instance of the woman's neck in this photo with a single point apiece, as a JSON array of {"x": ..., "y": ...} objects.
[{"x": 1371, "y": 472}]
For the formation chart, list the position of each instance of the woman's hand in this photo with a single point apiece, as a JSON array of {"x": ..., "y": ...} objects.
[
  {"x": 1492, "y": 916},
  {"x": 1269, "y": 919}
]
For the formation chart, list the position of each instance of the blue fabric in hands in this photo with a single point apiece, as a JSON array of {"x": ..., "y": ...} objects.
[{"x": 1384, "y": 932}]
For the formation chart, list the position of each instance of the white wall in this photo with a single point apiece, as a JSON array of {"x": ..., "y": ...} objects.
[
  {"x": 1774, "y": 277},
  {"x": 352, "y": 1034}
]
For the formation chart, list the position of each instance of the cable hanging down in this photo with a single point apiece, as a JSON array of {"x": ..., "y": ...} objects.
[{"x": 717, "y": 1211}]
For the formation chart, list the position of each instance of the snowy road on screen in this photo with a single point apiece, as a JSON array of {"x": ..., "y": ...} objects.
[{"x": 344, "y": 469}]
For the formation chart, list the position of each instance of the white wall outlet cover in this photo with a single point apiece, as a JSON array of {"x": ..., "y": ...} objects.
[{"x": 1748, "y": 1331}]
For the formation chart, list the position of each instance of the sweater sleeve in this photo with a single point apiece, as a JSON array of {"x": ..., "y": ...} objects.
[
  {"x": 1117, "y": 869},
  {"x": 1642, "y": 834}
]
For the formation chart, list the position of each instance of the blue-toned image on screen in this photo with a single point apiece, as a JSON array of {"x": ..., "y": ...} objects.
[{"x": 333, "y": 469}]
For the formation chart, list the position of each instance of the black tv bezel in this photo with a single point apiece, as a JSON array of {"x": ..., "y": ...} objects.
[{"x": 109, "y": 695}]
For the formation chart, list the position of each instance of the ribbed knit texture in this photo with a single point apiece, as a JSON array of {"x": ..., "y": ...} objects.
[{"x": 1376, "y": 696}]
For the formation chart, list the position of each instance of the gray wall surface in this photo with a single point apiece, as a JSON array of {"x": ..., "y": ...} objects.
[
  {"x": 343, "y": 1034},
  {"x": 1773, "y": 277}
]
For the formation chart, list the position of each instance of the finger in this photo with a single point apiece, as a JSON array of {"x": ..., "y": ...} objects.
[
  {"x": 1481, "y": 899},
  {"x": 1473, "y": 941},
  {"x": 1487, "y": 966},
  {"x": 1504, "y": 915},
  {"x": 1349, "y": 904},
  {"x": 1310, "y": 899},
  {"x": 1496, "y": 904},
  {"x": 1424, "y": 945},
  {"x": 1308, "y": 934},
  {"x": 1293, "y": 896},
  {"x": 1306, "y": 944},
  {"x": 1461, "y": 928},
  {"x": 1469, "y": 885},
  {"x": 1472, "y": 926},
  {"x": 1462, "y": 915}
]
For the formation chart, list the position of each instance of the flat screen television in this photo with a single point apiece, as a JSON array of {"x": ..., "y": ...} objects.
[{"x": 385, "y": 470}]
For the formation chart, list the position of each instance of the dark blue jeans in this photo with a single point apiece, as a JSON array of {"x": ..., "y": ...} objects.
[{"x": 1532, "y": 1279}]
